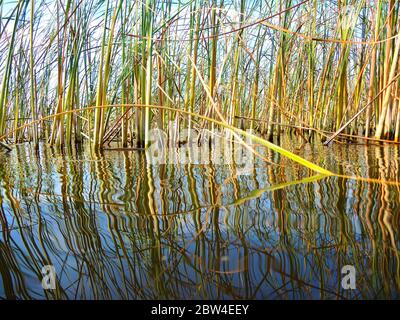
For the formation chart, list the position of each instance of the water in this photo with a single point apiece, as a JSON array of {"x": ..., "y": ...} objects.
[{"x": 115, "y": 227}]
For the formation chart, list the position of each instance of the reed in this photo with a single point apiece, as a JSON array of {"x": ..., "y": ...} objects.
[
  {"x": 4, "y": 89},
  {"x": 285, "y": 62},
  {"x": 96, "y": 76}
]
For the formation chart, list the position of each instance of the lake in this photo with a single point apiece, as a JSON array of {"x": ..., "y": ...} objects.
[{"x": 116, "y": 226}]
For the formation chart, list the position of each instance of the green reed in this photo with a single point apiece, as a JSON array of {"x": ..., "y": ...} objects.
[{"x": 302, "y": 66}]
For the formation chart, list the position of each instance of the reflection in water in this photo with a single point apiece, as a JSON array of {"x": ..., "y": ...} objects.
[{"x": 116, "y": 227}]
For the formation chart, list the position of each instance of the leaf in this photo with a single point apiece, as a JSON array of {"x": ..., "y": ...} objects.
[{"x": 258, "y": 192}]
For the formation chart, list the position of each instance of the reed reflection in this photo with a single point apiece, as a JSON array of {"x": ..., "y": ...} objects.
[{"x": 116, "y": 227}]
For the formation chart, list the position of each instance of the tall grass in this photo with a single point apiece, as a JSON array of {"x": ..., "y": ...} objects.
[{"x": 269, "y": 66}]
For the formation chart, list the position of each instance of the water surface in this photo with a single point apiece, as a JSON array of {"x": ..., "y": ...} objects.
[{"x": 115, "y": 226}]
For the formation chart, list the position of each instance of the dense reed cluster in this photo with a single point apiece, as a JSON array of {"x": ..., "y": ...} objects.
[{"x": 108, "y": 71}]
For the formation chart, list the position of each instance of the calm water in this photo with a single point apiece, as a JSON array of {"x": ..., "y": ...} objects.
[{"x": 116, "y": 227}]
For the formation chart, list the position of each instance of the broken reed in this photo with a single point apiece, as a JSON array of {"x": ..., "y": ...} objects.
[{"x": 267, "y": 65}]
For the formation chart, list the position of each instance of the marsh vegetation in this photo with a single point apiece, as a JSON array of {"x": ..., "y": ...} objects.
[{"x": 310, "y": 88}]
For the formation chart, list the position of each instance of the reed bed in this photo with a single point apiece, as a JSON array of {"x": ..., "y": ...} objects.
[
  {"x": 269, "y": 66},
  {"x": 83, "y": 76}
]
